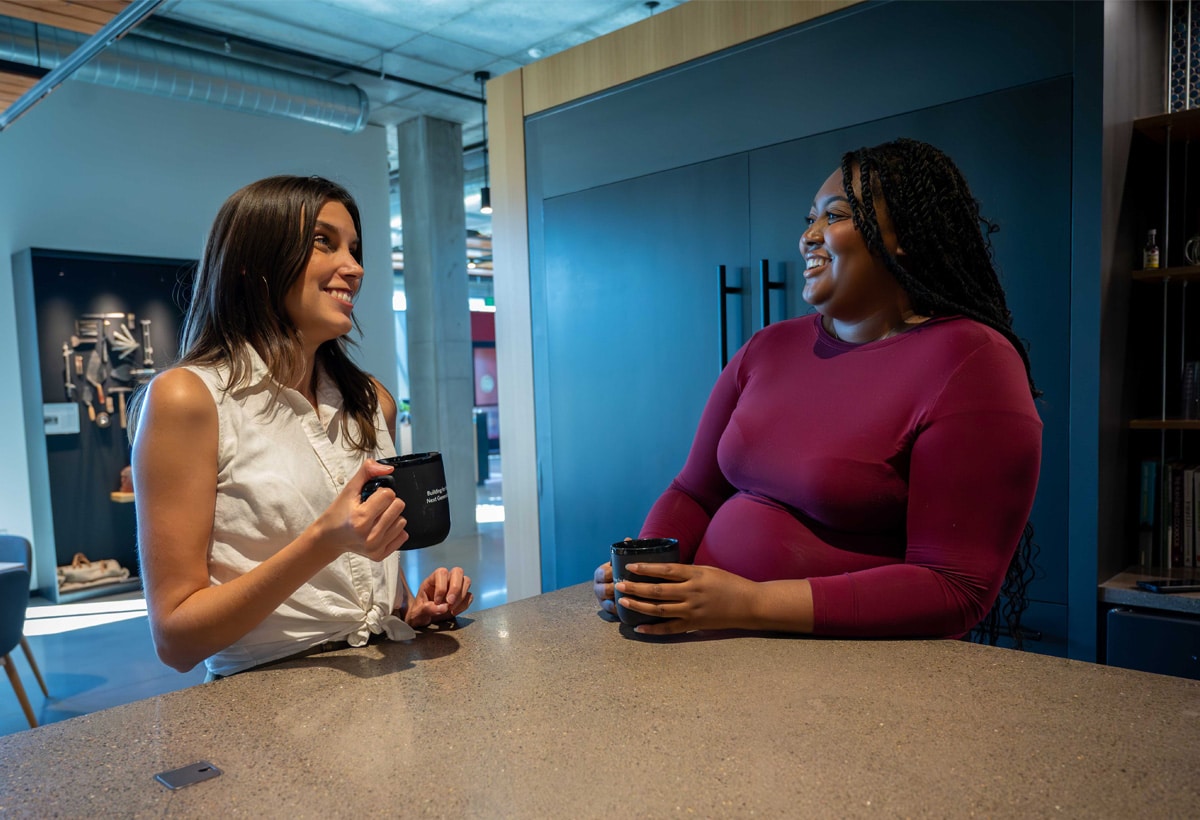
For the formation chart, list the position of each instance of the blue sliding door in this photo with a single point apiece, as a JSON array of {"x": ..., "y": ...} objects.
[{"x": 628, "y": 310}]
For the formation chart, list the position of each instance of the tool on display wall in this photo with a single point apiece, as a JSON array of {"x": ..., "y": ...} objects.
[
  {"x": 69, "y": 375},
  {"x": 148, "y": 350},
  {"x": 102, "y": 355}
]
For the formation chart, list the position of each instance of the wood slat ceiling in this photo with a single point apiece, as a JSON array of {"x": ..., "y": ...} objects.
[
  {"x": 13, "y": 86},
  {"x": 84, "y": 16}
]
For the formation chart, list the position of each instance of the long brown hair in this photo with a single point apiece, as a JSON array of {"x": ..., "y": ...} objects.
[{"x": 253, "y": 256}]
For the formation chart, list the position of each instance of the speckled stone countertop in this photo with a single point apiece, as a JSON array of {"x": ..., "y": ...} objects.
[
  {"x": 542, "y": 709},
  {"x": 1122, "y": 590}
]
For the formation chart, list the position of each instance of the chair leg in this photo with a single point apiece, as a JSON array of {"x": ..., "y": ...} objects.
[
  {"x": 37, "y": 673},
  {"x": 11, "y": 669}
]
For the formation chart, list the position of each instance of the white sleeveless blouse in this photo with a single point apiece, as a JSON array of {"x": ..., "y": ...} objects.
[{"x": 280, "y": 463}]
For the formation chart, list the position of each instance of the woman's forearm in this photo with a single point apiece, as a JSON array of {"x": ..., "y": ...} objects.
[
  {"x": 215, "y": 617},
  {"x": 781, "y": 606}
]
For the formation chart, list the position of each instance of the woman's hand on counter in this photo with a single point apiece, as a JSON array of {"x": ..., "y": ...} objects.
[
  {"x": 700, "y": 597},
  {"x": 445, "y": 594}
]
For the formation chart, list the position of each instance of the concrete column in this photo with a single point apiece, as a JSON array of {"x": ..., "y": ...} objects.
[{"x": 441, "y": 381}]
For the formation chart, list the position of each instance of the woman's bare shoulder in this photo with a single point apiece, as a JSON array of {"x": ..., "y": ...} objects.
[
  {"x": 180, "y": 393},
  {"x": 386, "y": 401}
]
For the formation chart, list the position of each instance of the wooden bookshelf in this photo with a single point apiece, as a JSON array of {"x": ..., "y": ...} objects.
[
  {"x": 1183, "y": 125},
  {"x": 1159, "y": 354},
  {"x": 1181, "y": 273}
]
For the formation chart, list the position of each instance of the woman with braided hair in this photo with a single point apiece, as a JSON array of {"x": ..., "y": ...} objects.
[{"x": 867, "y": 470}]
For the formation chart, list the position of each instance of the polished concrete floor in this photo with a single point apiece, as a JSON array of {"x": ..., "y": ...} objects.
[{"x": 97, "y": 653}]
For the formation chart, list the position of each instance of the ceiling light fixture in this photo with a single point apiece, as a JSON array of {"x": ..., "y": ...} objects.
[{"x": 485, "y": 193}]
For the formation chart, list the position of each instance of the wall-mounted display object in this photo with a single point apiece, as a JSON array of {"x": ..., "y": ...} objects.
[
  {"x": 92, "y": 329},
  {"x": 116, "y": 363}
]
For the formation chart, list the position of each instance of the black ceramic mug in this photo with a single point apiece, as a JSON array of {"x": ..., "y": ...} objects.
[
  {"x": 640, "y": 550},
  {"x": 419, "y": 480}
]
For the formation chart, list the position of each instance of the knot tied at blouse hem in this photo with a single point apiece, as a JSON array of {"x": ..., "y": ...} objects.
[{"x": 381, "y": 623}]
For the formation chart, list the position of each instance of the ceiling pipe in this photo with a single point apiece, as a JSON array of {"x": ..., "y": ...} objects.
[
  {"x": 190, "y": 34},
  {"x": 177, "y": 72},
  {"x": 109, "y": 33}
]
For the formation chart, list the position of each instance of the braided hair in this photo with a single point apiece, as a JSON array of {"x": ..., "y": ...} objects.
[
  {"x": 948, "y": 267},
  {"x": 1013, "y": 600}
]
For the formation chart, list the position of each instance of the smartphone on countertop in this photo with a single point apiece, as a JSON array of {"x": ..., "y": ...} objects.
[
  {"x": 187, "y": 775},
  {"x": 1170, "y": 585}
]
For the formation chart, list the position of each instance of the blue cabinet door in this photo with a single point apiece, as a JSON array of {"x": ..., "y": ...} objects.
[
  {"x": 625, "y": 319},
  {"x": 1165, "y": 644}
]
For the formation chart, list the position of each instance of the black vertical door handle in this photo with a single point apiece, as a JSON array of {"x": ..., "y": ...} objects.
[
  {"x": 723, "y": 291},
  {"x": 765, "y": 291}
]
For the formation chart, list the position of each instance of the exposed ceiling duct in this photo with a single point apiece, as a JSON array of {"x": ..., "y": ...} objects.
[{"x": 178, "y": 72}]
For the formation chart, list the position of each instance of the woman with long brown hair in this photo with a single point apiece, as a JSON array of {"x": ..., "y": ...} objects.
[{"x": 250, "y": 453}]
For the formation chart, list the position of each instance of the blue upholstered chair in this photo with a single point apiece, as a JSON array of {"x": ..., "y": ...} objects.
[
  {"x": 17, "y": 550},
  {"x": 14, "y": 598}
]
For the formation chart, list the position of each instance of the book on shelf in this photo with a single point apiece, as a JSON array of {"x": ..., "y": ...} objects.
[
  {"x": 1146, "y": 512},
  {"x": 1162, "y": 557},
  {"x": 1191, "y": 390},
  {"x": 1179, "y": 528},
  {"x": 1187, "y": 516},
  {"x": 1195, "y": 518},
  {"x": 1176, "y": 515},
  {"x": 1170, "y": 523},
  {"x": 1168, "y": 519}
]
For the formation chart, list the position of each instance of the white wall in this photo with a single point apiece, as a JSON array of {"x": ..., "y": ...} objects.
[{"x": 106, "y": 171}]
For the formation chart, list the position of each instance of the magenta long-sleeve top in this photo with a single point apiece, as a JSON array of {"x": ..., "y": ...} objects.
[{"x": 896, "y": 476}]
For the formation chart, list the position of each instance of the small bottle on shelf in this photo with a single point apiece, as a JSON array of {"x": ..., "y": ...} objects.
[{"x": 1150, "y": 252}]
